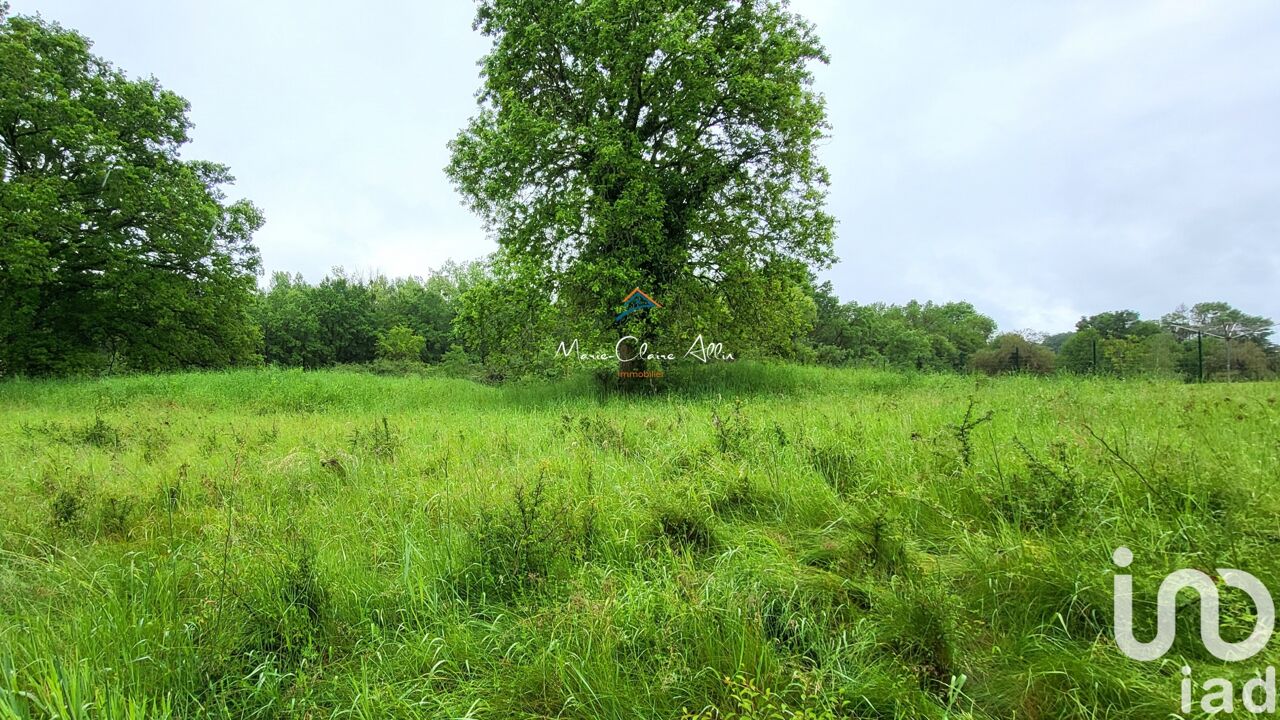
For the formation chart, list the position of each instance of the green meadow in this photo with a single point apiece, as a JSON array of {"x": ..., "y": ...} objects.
[{"x": 755, "y": 542}]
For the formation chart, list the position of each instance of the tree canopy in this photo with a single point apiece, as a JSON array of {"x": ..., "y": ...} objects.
[
  {"x": 1120, "y": 342},
  {"x": 1011, "y": 352},
  {"x": 665, "y": 144},
  {"x": 1118, "y": 324},
  {"x": 117, "y": 253},
  {"x": 920, "y": 336},
  {"x": 347, "y": 319},
  {"x": 1219, "y": 318}
]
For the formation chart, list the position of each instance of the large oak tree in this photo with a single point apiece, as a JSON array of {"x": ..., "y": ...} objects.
[
  {"x": 665, "y": 144},
  {"x": 114, "y": 251}
]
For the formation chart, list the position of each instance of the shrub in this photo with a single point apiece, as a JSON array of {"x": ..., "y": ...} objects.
[
  {"x": 114, "y": 516},
  {"x": 66, "y": 508},
  {"x": 381, "y": 441},
  {"x": 457, "y": 364},
  {"x": 963, "y": 431},
  {"x": 400, "y": 343},
  {"x": 1043, "y": 497},
  {"x": 517, "y": 544},
  {"x": 1013, "y": 353},
  {"x": 731, "y": 429},
  {"x": 99, "y": 433}
]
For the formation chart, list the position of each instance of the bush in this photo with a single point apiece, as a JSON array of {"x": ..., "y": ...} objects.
[
  {"x": 400, "y": 343},
  {"x": 1013, "y": 353},
  {"x": 517, "y": 544},
  {"x": 381, "y": 441},
  {"x": 457, "y": 364}
]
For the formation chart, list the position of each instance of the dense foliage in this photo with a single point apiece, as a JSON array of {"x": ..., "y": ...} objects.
[
  {"x": 347, "y": 319},
  {"x": 1212, "y": 340},
  {"x": 115, "y": 252},
  {"x": 916, "y": 336},
  {"x": 494, "y": 321},
  {"x": 663, "y": 144},
  {"x": 1011, "y": 352},
  {"x": 954, "y": 336},
  {"x": 827, "y": 543}
]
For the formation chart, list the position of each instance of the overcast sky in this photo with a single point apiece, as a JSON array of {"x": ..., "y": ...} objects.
[{"x": 1041, "y": 161}]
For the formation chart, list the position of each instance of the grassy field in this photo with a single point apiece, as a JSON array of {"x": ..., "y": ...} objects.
[{"x": 763, "y": 543}]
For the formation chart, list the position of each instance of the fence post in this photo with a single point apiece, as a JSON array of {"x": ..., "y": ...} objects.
[
  {"x": 1200, "y": 354},
  {"x": 1095, "y": 356},
  {"x": 1227, "y": 342},
  {"x": 1017, "y": 359}
]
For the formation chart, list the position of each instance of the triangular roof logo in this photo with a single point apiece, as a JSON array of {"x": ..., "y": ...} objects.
[{"x": 634, "y": 301}]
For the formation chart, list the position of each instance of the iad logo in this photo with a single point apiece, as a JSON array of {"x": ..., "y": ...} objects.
[
  {"x": 1258, "y": 694},
  {"x": 636, "y": 301},
  {"x": 1167, "y": 608}
]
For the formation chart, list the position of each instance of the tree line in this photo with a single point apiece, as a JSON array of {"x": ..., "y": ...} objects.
[
  {"x": 677, "y": 153},
  {"x": 455, "y": 319}
]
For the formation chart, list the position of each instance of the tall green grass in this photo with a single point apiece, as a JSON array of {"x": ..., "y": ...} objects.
[{"x": 754, "y": 542}]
